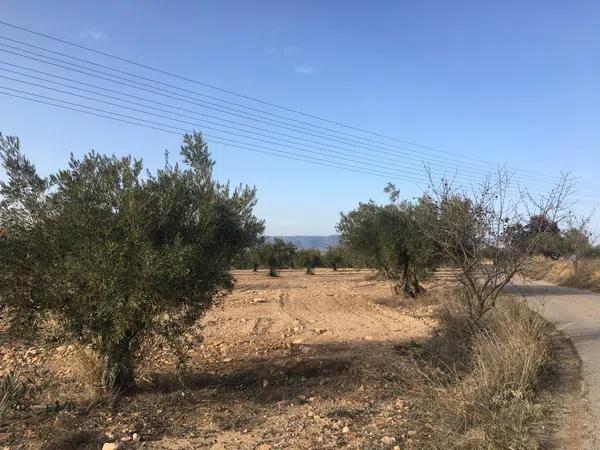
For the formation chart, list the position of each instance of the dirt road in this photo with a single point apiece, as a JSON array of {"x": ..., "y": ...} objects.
[{"x": 577, "y": 314}]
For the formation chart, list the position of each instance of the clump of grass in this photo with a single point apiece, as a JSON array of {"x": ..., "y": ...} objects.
[
  {"x": 481, "y": 391},
  {"x": 87, "y": 370},
  {"x": 586, "y": 276},
  {"x": 12, "y": 394}
]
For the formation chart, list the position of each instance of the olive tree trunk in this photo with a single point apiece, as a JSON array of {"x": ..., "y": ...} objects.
[{"x": 118, "y": 373}]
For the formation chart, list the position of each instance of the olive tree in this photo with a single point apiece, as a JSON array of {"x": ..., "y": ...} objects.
[
  {"x": 309, "y": 259},
  {"x": 116, "y": 255},
  {"x": 336, "y": 257},
  {"x": 389, "y": 239},
  {"x": 274, "y": 255}
]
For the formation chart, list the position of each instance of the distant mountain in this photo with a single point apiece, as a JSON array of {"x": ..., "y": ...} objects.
[{"x": 303, "y": 242}]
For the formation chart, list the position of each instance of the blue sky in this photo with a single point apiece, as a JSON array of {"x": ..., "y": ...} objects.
[{"x": 514, "y": 82}]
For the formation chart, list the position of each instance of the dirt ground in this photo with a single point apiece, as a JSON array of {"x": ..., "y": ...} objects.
[{"x": 296, "y": 361}]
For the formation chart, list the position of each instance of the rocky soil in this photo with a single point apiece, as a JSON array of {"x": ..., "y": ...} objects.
[{"x": 290, "y": 362}]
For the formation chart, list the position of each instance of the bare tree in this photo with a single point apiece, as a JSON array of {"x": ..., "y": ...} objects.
[{"x": 481, "y": 233}]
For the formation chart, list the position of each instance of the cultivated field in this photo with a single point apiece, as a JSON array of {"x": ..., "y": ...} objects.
[{"x": 290, "y": 362}]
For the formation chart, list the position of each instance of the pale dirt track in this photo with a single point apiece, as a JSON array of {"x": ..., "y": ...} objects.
[
  {"x": 576, "y": 313},
  {"x": 329, "y": 307},
  {"x": 318, "y": 348}
]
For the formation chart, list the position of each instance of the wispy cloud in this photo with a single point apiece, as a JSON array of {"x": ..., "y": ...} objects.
[
  {"x": 93, "y": 34},
  {"x": 304, "y": 69},
  {"x": 292, "y": 51}
]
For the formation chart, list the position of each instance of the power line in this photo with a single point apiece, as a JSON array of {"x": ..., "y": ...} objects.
[
  {"x": 160, "y": 90},
  {"x": 235, "y": 94},
  {"x": 346, "y": 151},
  {"x": 182, "y": 115},
  {"x": 165, "y": 128},
  {"x": 538, "y": 175},
  {"x": 153, "y": 123},
  {"x": 213, "y": 138}
]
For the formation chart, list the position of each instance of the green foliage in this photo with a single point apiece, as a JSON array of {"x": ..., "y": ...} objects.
[
  {"x": 549, "y": 238},
  {"x": 116, "y": 256},
  {"x": 338, "y": 257},
  {"x": 388, "y": 238},
  {"x": 279, "y": 255},
  {"x": 309, "y": 259},
  {"x": 274, "y": 255}
]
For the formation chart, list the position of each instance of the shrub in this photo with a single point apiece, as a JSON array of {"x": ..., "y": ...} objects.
[
  {"x": 485, "y": 236},
  {"x": 116, "y": 256}
]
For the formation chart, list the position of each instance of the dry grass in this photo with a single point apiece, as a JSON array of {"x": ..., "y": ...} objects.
[
  {"x": 87, "y": 371},
  {"x": 563, "y": 273},
  {"x": 478, "y": 390}
]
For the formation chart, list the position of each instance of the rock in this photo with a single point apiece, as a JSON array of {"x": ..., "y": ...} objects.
[
  {"x": 259, "y": 300},
  {"x": 345, "y": 430},
  {"x": 38, "y": 409},
  {"x": 263, "y": 447},
  {"x": 388, "y": 440},
  {"x": 265, "y": 383},
  {"x": 227, "y": 359},
  {"x": 135, "y": 438},
  {"x": 297, "y": 341},
  {"x": 110, "y": 446},
  {"x": 321, "y": 330},
  {"x": 411, "y": 433}
]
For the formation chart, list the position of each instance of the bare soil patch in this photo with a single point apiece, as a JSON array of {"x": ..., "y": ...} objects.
[{"x": 290, "y": 362}]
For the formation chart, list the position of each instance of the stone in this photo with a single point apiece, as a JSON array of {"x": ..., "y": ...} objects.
[
  {"x": 135, "y": 438},
  {"x": 345, "y": 430},
  {"x": 38, "y": 409},
  {"x": 110, "y": 446},
  {"x": 263, "y": 447},
  {"x": 388, "y": 440}
]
